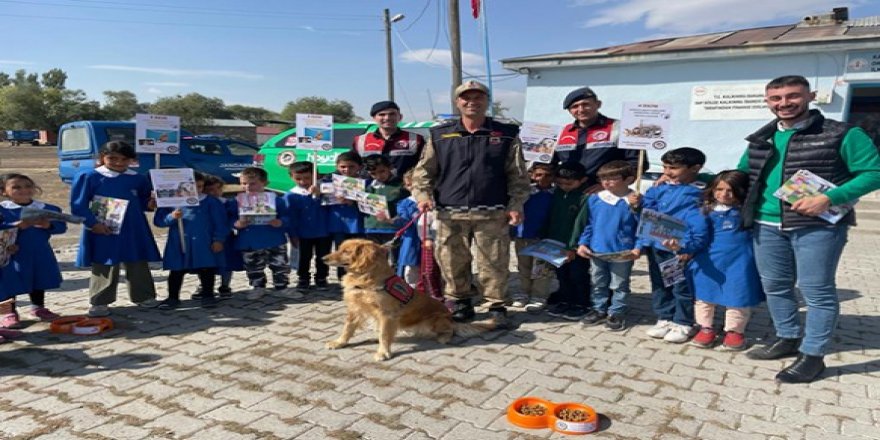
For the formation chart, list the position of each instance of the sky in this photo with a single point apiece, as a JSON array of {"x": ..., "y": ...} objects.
[{"x": 269, "y": 52}]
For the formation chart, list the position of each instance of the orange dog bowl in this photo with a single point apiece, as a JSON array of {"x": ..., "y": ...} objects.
[
  {"x": 529, "y": 421},
  {"x": 65, "y": 325},
  {"x": 92, "y": 326},
  {"x": 589, "y": 423}
]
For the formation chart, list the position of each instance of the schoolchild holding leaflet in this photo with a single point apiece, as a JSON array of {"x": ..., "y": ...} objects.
[
  {"x": 129, "y": 243},
  {"x": 205, "y": 228}
]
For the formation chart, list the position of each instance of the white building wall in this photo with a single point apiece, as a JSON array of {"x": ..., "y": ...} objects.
[{"x": 672, "y": 82}]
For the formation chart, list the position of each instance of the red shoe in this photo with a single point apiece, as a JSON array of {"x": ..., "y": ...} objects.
[
  {"x": 44, "y": 314},
  {"x": 734, "y": 341},
  {"x": 10, "y": 321},
  {"x": 705, "y": 338}
]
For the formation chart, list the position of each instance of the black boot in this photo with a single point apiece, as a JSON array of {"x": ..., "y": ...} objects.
[
  {"x": 499, "y": 317},
  {"x": 804, "y": 370},
  {"x": 463, "y": 311},
  {"x": 783, "y": 347}
]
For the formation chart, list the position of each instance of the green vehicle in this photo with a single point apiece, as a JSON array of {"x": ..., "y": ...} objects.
[{"x": 280, "y": 151}]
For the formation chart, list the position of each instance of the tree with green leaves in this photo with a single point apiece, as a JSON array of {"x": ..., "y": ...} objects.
[
  {"x": 249, "y": 113},
  {"x": 341, "y": 110},
  {"x": 121, "y": 105},
  {"x": 29, "y": 101},
  {"x": 194, "y": 109}
]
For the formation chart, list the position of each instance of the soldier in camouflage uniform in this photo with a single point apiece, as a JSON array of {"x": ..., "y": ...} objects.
[{"x": 472, "y": 171}]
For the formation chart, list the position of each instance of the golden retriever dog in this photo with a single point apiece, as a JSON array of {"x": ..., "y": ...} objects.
[{"x": 367, "y": 299}]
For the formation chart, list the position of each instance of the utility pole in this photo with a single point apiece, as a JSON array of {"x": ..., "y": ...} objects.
[
  {"x": 388, "y": 55},
  {"x": 455, "y": 48}
]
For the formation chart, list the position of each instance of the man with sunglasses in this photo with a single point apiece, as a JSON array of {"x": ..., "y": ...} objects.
[{"x": 472, "y": 171}]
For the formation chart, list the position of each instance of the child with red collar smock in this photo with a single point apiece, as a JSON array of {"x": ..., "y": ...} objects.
[
  {"x": 308, "y": 230},
  {"x": 725, "y": 273},
  {"x": 110, "y": 242},
  {"x": 34, "y": 260},
  {"x": 679, "y": 196},
  {"x": 205, "y": 228}
]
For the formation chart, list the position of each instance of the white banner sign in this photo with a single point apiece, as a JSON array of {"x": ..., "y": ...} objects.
[
  {"x": 175, "y": 187},
  {"x": 644, "y": 126},
  {"x": 314, "y": 132},
  {"x": 157, "y": 134},
  {"x": 728, "y": 102},
  {"x": 538, "y": 140}
]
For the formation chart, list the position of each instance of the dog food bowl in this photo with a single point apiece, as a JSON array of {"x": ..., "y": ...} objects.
[
  {"x": 529, "y": 421},
  {"x": 65, "y": 324},
  {"x": 92, "y": 326},
  {"x": 587, "y": 422}
]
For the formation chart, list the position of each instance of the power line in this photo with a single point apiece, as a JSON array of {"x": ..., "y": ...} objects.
[
  {"x": 177, "y": 8},
  {"x": 204, "y": 25},
  {"x": 427, "y": 3}
]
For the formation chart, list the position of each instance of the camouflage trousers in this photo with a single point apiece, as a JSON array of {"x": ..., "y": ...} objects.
[
  {"x": 255, "y": 263},
  {"x": 488, "y": 232}
]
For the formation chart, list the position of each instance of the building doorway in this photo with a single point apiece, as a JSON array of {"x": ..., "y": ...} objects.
[{"x": 864, "y": 110}]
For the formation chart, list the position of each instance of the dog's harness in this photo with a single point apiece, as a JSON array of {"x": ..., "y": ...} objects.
[{"x": 399, "y": 289}]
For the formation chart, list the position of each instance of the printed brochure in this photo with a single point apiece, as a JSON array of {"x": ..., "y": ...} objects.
[
  {"x": 110, "y": 211},
  {"x": 803, "y": 184},
  {"x": 658, "y": 226},
  {"x": 257, "y": 208},
  {"x": 31, "y": 213},
  {"x": 551, "y": 251}
]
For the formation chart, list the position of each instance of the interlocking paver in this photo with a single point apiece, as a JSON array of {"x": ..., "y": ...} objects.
[{"x": 259, "y": 370}]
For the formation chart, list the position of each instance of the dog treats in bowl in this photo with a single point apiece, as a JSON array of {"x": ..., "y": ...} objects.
[
  {"x": 573, "y": 418},
  {"x": 529, "y": 412}
]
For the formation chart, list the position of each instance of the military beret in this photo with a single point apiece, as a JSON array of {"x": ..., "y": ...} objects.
[
  {"x": 383, "y": 105},
  {"x": 577, "y": 95}
]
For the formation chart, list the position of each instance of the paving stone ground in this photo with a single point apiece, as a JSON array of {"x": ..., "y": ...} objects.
[{"x": 259, "y": 370}]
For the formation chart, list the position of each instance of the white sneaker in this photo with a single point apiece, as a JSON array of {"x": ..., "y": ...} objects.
[
  {"x": 535, "y": 306},
  {"x": 519, "y": 302},
  {"x": 291, "y": 293},
  {"x": 678, "y": 334},
  {"x": 99, "y": 311},
  {"x": 256, "y": 293},
  {"x": 148, "y": 304},
  {"x": 660, "y": 329}
]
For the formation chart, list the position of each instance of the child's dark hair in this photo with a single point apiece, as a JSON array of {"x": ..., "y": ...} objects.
[
  {"x": 118, "y": 147},
  {"x": 686, "y": 156},
  {"x": 738, "y": 182},
  {"x": 616, "y": 168},
  {"x": 211, "y": 180},
  {"x": 199, "y": 176},
  {"x": 543, "y": 166},
  {"x": 11, "y": 176},
  {"x": 376, "y": 160},
  {"x": 350, "y": 156},
  {"x": 255, "y": 173},
  {"x": 302, "y": 166}
]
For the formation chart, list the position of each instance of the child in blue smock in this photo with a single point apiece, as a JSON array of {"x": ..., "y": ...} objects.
[
  {"x": 205, "y": 227},
  {"x": 35, "y": 260},
  {"x": 232, "y": 258},
  {"x": 344, "y": 219},
  {"x": 679, "y": 196},
  {"x": 308, "y": 227},
  {"x": 114, "y": 241},
  {"x": 10, "y": 284},
  {"x": 410, "y": 253},
  {"x": 725, "y": 273}
]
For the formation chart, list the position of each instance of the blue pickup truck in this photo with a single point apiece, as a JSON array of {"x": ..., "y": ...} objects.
[
  {"x": 18, "y": 137},
  {"x": 78, "y": 144}
]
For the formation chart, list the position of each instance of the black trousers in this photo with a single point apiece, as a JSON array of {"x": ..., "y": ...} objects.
[
  {"x": 206, "y": 278},
  {"x": 317, "y": 248},
  {"x": 574, "y": 283}
]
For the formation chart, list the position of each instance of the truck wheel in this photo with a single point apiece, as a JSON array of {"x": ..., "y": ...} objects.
[{"x": 35, "y": 143}]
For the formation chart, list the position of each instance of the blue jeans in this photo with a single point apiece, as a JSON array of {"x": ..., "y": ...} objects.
[
  {"x": 807, "y": 257},
  {"x": 675, "y": 303},
  {"x": 608, "y": 277}
]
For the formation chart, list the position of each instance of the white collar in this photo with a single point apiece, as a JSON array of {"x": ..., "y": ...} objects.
[
  {"x": 609, "y": 198},
  {"x": 9, "y": 204},
  {"x": 107, "y": 172},
  {"x": 376, "y": 184},
  {"x": 799, "y": 126},
  {"x": 202, "y": 197},
  {"x": 718, "y": 207},
  {"x": 300, "y": 191}
]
